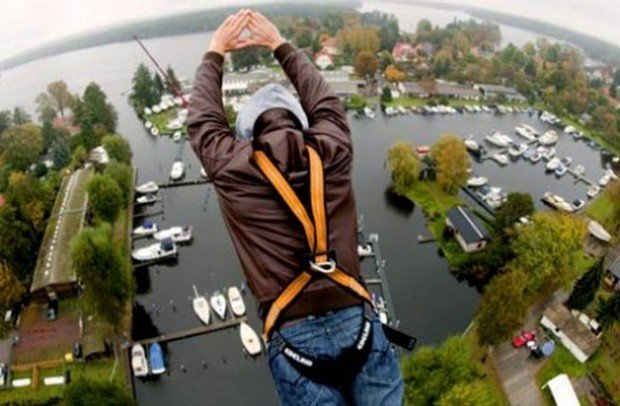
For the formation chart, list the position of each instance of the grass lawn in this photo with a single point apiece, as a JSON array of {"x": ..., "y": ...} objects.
[
  {"x": 605, "y": 364},
  {"x": 160, "y": 120},
  {"x": 407, "y": 101},
  {"x": 602, "y": 210},
  {"x": 560, "y": 362}
]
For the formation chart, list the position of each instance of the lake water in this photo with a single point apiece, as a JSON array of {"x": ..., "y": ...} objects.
[{"x": 212, "y": 369}]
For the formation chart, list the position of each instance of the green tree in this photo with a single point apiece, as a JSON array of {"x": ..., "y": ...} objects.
[
  {"x": 250, "y": 57},
  {"x": 173, "y": 84},
  {"x": 386, "y": 95},
  {"x": 452, "y": 160},
  {"x": 423, "y": 28},
  {"x": 404, "y": 165},
  {"x": 471, "y": 393},
  {"x": 79, "y": 157},
  {"x": 20, "y": 116},
  {"x": 99, "y": 262},
  {"x": 366, "y": 64},
  {"x": 159, "y": 86},
  {"x": 585, "y": 288},
  {"x": 56, "y": 99},
  {"x": 356, "y": 102},
  {"x": 144, "y": 93},
  {"x": 10, "y": 288},
  {"x": 5, "y": 120},
  {"x": 61, "y": 154},
  {"x": 95, "y": 109},
  {"x": 122, "y": 175},
  {"x": 613, "y": 194},
  {"x": 385, "y": 59},
  {"x": 608, "y": 310},
  {"x": 517, "y": 205},
  {"x": 21, "y": 145},
  {"x": 26, "y": 193},
  {"x": 17, "y": 242},
  {"x": 117, "y": 147},
  {"x": 105, "y": 197},
  {"x": 502, "y": 308},
  {"x": 84, "y": 393}
]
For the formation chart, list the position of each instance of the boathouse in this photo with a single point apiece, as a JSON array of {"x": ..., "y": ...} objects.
[
  {"x": 494, "y": 91},
  {"x": 467, "y": 229}
]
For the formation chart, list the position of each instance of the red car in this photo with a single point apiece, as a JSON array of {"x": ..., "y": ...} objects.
[{"x": 523, "y": 338}]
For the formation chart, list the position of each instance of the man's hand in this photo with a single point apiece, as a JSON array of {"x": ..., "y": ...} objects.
[
  {"x": 263, "y": 32},
  {"x": 227, "y": 36}
]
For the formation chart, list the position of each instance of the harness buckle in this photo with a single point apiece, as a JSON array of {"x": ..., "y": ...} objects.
[{"x": 323, "y": 267}]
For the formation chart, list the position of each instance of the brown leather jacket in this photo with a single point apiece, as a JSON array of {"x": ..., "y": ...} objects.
[{"x": 267, "y": 237}]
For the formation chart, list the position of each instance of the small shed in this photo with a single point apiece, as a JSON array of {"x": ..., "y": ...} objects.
[
  {"x": 562, "y": 391},
  {"x": 612, "y": 274},
  {"x": 468, "y": 230}
]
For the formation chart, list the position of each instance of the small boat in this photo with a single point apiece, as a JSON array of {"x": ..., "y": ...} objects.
[
  {"x": 156, "y": 359},
  {"x": 147, "y": 111},
  {"x": 570, "y": 130},
  {"x": 561, "y": 170},
  {"x": 498, "y": 139},
  {"x": 218, "y": 303},
  {"x": 368, "y": 112},
  {"x": 477, "y": 181},
  {"x": 578, "y": 135},
  {"x": 148, "y": 125},
  {"x": 177, "y": 171},
  {"x": 201, "y": 306},
  {"x": 501, "y": 159},
  {"x": 548, "y": 138},
  {"x": 567, "y": 161},
  {"x": 176, "y": 137},
  {"x": 579, "y": 170},
  {"x": 525, "y": 133},
  {"x": 604, "y": 180},
  {"x": 364, "y": 250},
  {"x": 401, "y": 109},
  {"x": 557, "y": 202},
  {"x": 548, "y": 153},
  {"x": 147, "y": 199},
  {"x": 148, "y": 187},
  {"x": 578, "y": 204},
  {"x": 161, "y": 250},
  {"x": 156, "y": 109},
  {"x": 528, "y": 154},
  {"x": 472, "y": 145},
  {"x": 177, "y": 234},
  {"x": 139, "y": 364},
  {"x": 145, "y": 229},
  {"x": 553, "y": 164},
  {"x": 236, "y": 301},
  {"x": 530, "y": 129},
  {"x": 612, "y": 175},
  {"x": 593, "y": 191},
  {"x": 154, "y": 131},
  {"x": 249, "y": 339},
  {"x": 535, "y": 157},
  {"x": 517, "y": 150},
  {"x": 598, "y": 231}
]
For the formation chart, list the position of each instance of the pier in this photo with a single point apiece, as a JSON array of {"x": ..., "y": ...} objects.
[
  {"x": 423, "y": 239},
  {"x": 192, "y": 332},
  {"x": 192, "y": 182},
  {"x": 373, "y": 240},
  {"x": 580, "y": 178}
]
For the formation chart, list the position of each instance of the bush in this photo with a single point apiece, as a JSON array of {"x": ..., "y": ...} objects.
[
  {"x": 118, "y": 148},
  {"x": 105, "y": 197},
  {"x": 86, "y": 393}
]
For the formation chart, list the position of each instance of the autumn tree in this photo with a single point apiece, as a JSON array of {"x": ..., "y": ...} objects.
[
  {"x": 517, "y": 205},
  {"x": 613, "y": 194},
  {"x": 393, "y": 74},
  {"x": 10, "y": 288},
  {"x": 117, "y": 147},
  {"x": 55, "y": 100},
  {"x": 404, "y": 165},
  {"x": 585, "y": 288},
  {"x": 21, "y": 145},
  {"x": 502, "y": 308},
  {"x": 357, "y": 38},
  {"x": 470, "y": 393},
  {"x": 452, "y": 161},
  {"x": 26, "y": 193},
  {"x": 366, "y": 64},
  {"x": 105, "y": 197}
]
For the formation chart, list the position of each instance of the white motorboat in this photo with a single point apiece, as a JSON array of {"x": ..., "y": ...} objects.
[
  {"x": 236, "y": 301},
  {"x": 390, "y": 111},
  {"x": 570, "y": 130},
  {"x": 498, "y": 139},
  {"x": 148, "y": 125},
  {"x": 201, "y": 306},
  {"x": 472, "y": 144},
  {"x": 139, "y": 365},
  {"x": 368, "y": 112},
  {"x": 477, "y": 181},
  {"x": 148, "y": 187},
  {"x": 524, "y": 133},
  {"x": 145, "y": 229},
  {"x": 557, "y": 202},
  {"x": 161, "y": 250},
  {"x": 177, "y": 234},
  {"x": 579, "y": 170},
  {"x": 547, "y": 153},
  {"x": 530, "y": 129},
  {"x": 154, "y": 131},
  {"x": 203, "y": 173},
  {"x": 553, "y": 164},
  {"x": 561, "y": 170},
  {"x": 249, "y": 339},
  {"x": 593, "y": 191},
  {"x": 535, "y": 157},
  {"x": 501, "y": 159},
  {"x": 218, "y": 303},
  {"x": 604, "y": 180},
  {"x": 401, "y": 109},
  {"x": 364, "y": 250},
  {"x": 516, "y": 151},
  {"x": 177, "y": 171},
  {"x": 548, "y": 138},
  {"x": 177, "y": 136},
  {"x": 146, "y": 199},
  {"x": 598, "y": 231},
  {"x": 147, "y": 111}
]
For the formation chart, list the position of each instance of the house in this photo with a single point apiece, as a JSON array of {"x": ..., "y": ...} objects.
[
  {"x": 424, "y": 49},
  {"x": 403, "y": 51},
  {"x": 573, "y": 332},
  {"x": 237, "y": 84},
  {"x": 330, "y": 46},
  {"x": 323, "y": 60},
  {"x": 494, "y": 91},
  {"x": 347, "y": 88},
  {"x": 456, "y": 91},
  {"x": 65, "y": 124},
  {"x": 612, "y": 274},
  {"x": 413, "y": 89},
  {"x": 99, "y": 156},
  {"x": 467, "y": 229}
]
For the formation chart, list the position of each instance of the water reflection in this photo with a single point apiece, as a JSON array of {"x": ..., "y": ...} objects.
[
  {"x": 143, "y": 326},
  {"x": 397, "y": 203}
]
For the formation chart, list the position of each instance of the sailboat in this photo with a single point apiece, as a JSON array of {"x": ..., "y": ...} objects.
[
  {"x": 201, "y": 306},
  {"x": 218, "y": 303},
  {"x": 156, "y": 359},
  {"x": 250, "y": 340},
  {"x": 236, "y": 301}
]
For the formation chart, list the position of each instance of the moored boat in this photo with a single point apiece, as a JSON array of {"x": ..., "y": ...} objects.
[
  {"x": 593, "y": 191},
  {"x": 249, "y": 339},
  {"x": 177, "y": 171},
  {"x": 139, "y": 364},
  {"x": 237, "y": 304},
  {"x": 501, "y": 159},
  {"x": 477, "y": 181},
  {"x": 525, "y": 133},
  {"x": 561, "y": 170},
  {"x": 146, "y": 199},
  {"x": 156, "y": 359},
  {"x": 498, "y": 139},
  {"x": 147, "y": 187},
  {"x": 548, "y": 138},
  {"x": 218, "y": 303},
  {"x": 472, "y": 144},
  {"x": 557, "y": 202},
  {"x": 598, "y": 231},
  {"x": 177, "y": 234},
  {"x": 553, "y": 164},
  {"x": 364, "y": 250},
  {"x": 517, "y": 150},
  {"x": 161, "y": 250},
  {"x": 145, "y": 229},
  {"x": 201, "y": 306}
]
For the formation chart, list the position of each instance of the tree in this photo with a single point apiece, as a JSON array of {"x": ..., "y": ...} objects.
[
  {"x": 430, "y": 372},
  {"x": 96, "y": 110},
  {"x": 122, "y": 175},
  {"x": 547, "y": 250},
  {"x": 585, "y": 288},
  {"x": 502, "y": 308},
  {"x": 517, "y": 205},
  {"x": 613, "y": 194},
  {"x": 17, "y": 242},
  {"x": 172, "y": 82},
  {"x": 385, "y": 59},
  {"x": 404, "y": 165},
  {"x": 79, "y": 157},
  {"x": 158, "y": 84},
  {"x": 105, "y": 197},
  {"x": 10, "y": 288},
  {"x": 393, "y": 74},
  {"x": 472, "y": 393},
  {"x": 356, "y": 102},
  {"x": 20, "y": 116},
  {"x": 57, "y": 99},
  {"x": 144, "y": 93},
  {"x": 608, "y": 310},
  {"x": 452, "y": 159},
  {"x": 5, "y": 120},
  {"x": 61, "y": 154},
  {"x": 102, "y": 267},
  {"x": 355, "y": 39},
  {"x": 25, "y": 192},
  {"x": 386, "y": 95},
  {"x": 117, "y": 147},
  {"x": 366, "y": 64},
  {"x": 84, "y": 392},
  {"x": 424, "y": 27},
  {"x": 21, "y": 145},
  {"x": 250, "y": 57}
]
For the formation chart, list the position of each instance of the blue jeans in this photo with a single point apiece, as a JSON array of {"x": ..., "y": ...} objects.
[{"x": 378, "y": 382}]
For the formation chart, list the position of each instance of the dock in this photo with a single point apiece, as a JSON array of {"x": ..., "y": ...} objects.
[
  {"x": 192, "y": 182},
  {"x": 423, "y": 239},
  {"x": 192, "y": 332},
  {"x": 148, "y": 214},
  {"x": 580, "y": 178},
  {"x": 373, "y": 240}
]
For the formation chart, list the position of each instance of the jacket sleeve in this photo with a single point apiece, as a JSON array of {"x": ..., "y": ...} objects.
[
  {"x": 324, "y": 109},
  {"x": 207, "y": 125}
]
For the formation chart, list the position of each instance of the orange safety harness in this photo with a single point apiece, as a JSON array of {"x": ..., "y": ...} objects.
[{"x": 320, "y": 263}]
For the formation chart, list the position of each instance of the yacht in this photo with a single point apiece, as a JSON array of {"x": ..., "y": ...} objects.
[
  {"x": 557, "y": 202},
  {"x": 161, "y": 250},
  {"x": 477, "y": 181},
  {"x": 561, "y": 170},
  {"x": 156, "y": 359},
  {"x": 146, "y": 199},
  {"x": 598, "y": 231},
  {"x": 177, "y": 234},
  {"x": 499, "y": 140},
  {"x": 530, "y": 129},
  {"x": 364, "y": 250},
  {"x": 535, "y": 157},
  {"x": 249, "y": 339},
  {"x": 145, "y": 229},
  {"x": 369, "y": 113},
  {"x": 593, "y": 191},
  {"x": 553, "y": 164},
  {"x": 472, "y": 144},
  {"x": 218, "y": 303},
  {"x": 139, "y": 364},
  {"x": 501, "y": 159},
  {"x": 177, "y": 171},
  {"x": 548, "y": 138},
  {"x": 201, "y": 306},
  {"x": 524, "y": 133},
  {"x": 148, "y": 187},
  {"x": 517, "y": 150},
  {"x": 547, "y": 153},
  {"x": 236, "y": 302}
]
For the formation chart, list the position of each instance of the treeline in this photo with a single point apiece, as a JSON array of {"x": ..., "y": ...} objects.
[
  {"x": 148, "y": 88},
  {"x": 178, "y": 24}
]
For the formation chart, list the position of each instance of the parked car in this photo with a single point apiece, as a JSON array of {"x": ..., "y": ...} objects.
[{"x": 523, "y": 338}]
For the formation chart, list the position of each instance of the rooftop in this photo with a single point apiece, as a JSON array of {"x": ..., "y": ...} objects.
[
  {"x": 613, "y": 267},
  {"x": 575, "y": 330},
  {"x": 497, "y": 89},
  {"x": 467, "y": 224}
]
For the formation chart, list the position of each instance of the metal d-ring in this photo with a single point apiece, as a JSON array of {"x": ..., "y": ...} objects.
[{"x": 323, "y": 267}]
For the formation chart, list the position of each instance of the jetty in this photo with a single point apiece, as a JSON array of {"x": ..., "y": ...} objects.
[
  {"x": 580, "y": 177},
  {"x": 190, "y": 182},
  {"x": 423, "y": 239},
  {"x": 148, "y": 214},
  {"x": 193, "y": 331}
]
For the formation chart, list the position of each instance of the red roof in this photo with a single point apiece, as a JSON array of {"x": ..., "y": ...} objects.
[
  {"x": 331, "y": 42},
  {"x": 65, "y": 123},
  {"x": 403, "y": 50}
]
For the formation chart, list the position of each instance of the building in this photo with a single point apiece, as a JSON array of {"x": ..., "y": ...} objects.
[
  {"x": 573, "y": 332},
  {"x": 413, "y": 89},
  {"x": 347, "y": 88},
  {"x": 612, "y": 274},
  {"x": 456, "y": 91},
  {"x": 65, "y": 124},
  {"x": 236, "y": 84},
  {"x": 495, "y": 91},
  {"x": 562, "y": 391},
  {"x": 403, "y": 51},
  {"x": 425, "y": 49},
  {"x": 330, "y": 46},
  {"x": 323, "y": 60},
  {"x": 467, "y": 229},
  {"x": 99, "y": 156}
]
